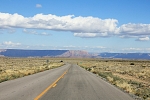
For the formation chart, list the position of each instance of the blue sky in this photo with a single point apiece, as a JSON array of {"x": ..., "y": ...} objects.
[{"x": 91, "y": 25}]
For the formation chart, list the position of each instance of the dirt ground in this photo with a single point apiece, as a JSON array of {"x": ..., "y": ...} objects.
[{"x": 132, "y": 76}]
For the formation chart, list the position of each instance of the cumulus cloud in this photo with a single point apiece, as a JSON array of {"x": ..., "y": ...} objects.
[
  {"x": 38, "y": 5},
  {"x": 143, "y": 39},
  {"x": 125, "y": 31},
  {"x": 134, "y": 29},
  {"x": 59, "y": 23},
  {"x": 88, "y": 27},
  {"x": 8, "y": 21},
  {"x": 10, "y": 44}
]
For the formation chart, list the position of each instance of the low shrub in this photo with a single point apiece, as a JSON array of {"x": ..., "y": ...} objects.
[{"x": 131, "y": 63}]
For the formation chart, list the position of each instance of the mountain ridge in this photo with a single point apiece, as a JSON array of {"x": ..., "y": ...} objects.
[
  {"x": 70, "y": 54},
  {"x": 44, "y": 53}
]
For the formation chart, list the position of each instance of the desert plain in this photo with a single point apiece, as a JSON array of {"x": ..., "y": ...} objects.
[{"x": 131, "y": 76}]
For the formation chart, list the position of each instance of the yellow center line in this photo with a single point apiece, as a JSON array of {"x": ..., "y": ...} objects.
[
  {"x": 54, "y": 85},
  {"x": 49, "y": 87}
]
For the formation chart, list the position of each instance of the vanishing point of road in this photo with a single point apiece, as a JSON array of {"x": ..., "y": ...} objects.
[{"x": 69, "y": 82}]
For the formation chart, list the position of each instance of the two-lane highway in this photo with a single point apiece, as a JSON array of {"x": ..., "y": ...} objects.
[
  {"x": 57, "y": 84},
  {"x": 79, "y": 84}
]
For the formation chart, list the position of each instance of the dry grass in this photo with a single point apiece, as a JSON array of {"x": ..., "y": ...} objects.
[
  {"x": 11, "y": 68},
  {"x": 130, "y": 75}
]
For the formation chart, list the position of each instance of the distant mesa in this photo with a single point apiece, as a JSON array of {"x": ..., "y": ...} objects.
[
  {"x": 30, "y": 53},
  {"x": 43, "y": 53},
  {"x": 125, "y": 55},
  {"x": 76, "y": 54},
  {"x": 70, "y": 54}
]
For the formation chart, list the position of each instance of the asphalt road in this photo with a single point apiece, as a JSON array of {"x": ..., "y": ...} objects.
[
  {"x": 76, "y": 84},
  {"x": 79, "y": 84},
  {"x": 28, "y": 87}
]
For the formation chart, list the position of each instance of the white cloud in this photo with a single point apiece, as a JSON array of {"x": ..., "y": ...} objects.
[
  {"x": 88, "y": 27},
  {"x": 100, "y": 47},
  {"x": 38, "y": 5},
  {"x": 87, "y": 48},
  {"x": 45, "y": 34},
  {"x": 91, "y": 35},
  {"x": 10, "y": 44},
  {"x": 70, "y": 46},
  {"x": 135, "y": 29},
  {"x": 86, "y": 35},
  {"x": 29, "y": 31},
  {"x": 143, "y": 39},
  {"x": 8, "y": 21},
  {"x": 125, "y": 31},
  {"x": 63, "y": 23},
  {"x": 132, "y": 49}
]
